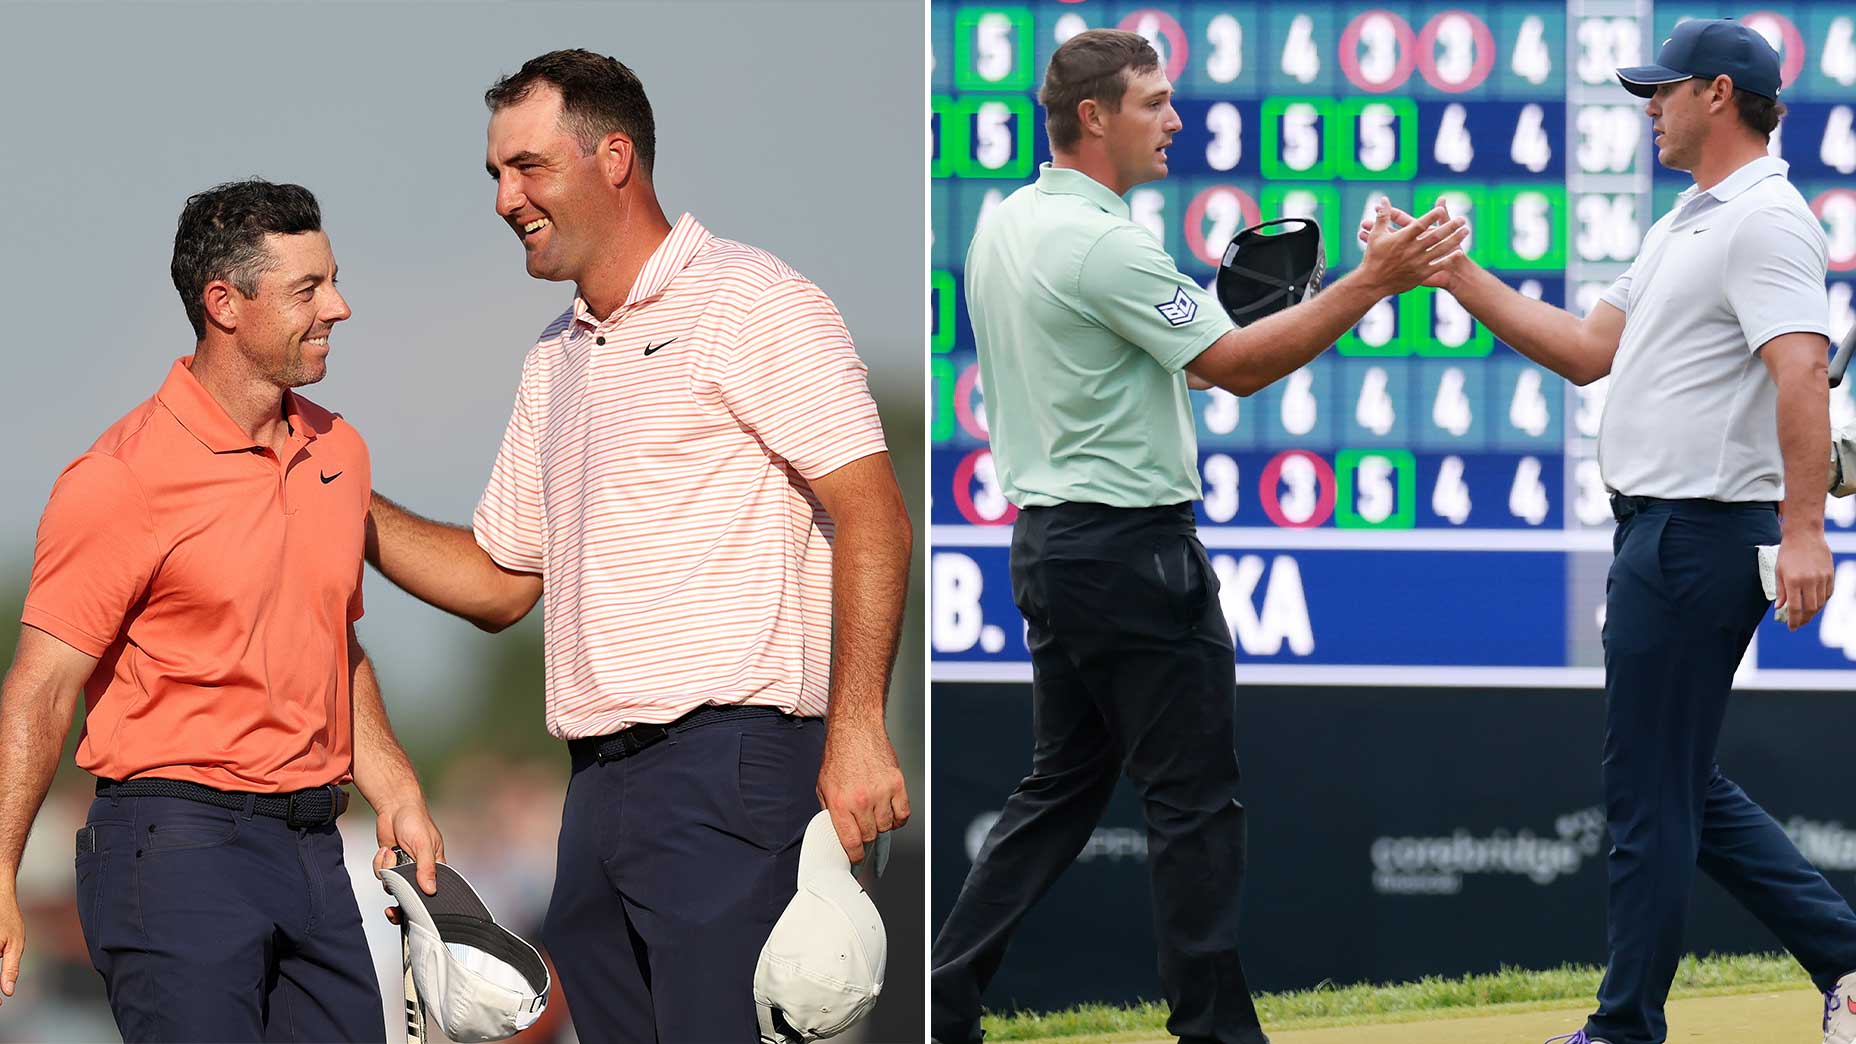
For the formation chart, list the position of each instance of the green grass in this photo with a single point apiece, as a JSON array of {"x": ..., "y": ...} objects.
[{"x": 1508, "y": 990}]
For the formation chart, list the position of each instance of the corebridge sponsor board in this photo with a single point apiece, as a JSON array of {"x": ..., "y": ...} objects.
[{"x": 1394, "y": 833}]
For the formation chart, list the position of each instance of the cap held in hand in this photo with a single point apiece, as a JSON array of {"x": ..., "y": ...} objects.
[
  {"x": 822, "y": 967},
  {"x": 478, "y": 980}
]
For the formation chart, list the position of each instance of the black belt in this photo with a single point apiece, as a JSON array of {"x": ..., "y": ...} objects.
[
  {"x": 302, "y": 808},
  {"x": 626, "y": 742},
  {"x": 1623, "y": 507}
]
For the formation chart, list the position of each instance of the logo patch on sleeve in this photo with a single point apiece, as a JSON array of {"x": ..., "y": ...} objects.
[{"x": 1180, "y": 310}]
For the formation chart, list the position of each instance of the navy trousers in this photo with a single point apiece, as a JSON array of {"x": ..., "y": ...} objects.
[
  {"x": 216, "y": 925},
  {"x": 1133, "y": 671},
  {"x": 673, "y": 865},
  {"x": 1682, "y": 601}
]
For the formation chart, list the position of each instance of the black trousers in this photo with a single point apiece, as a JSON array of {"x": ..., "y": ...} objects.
[{"x": 1133, "y": 671}]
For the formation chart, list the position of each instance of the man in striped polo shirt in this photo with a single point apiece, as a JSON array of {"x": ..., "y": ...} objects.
[{"x": 695, "y": 478}]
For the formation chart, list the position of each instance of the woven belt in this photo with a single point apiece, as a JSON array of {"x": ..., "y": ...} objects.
[
  {"x": 626, "y": 742},
  {"x": 301, "y": 808}
]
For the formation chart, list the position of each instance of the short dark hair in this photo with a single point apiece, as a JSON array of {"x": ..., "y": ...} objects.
[
  {"x": 1093, "y": 64},
  {"x": 221, "y": 236},
  {"x": 599, "y": 95},
  {"x": 1758, "y": 112}
]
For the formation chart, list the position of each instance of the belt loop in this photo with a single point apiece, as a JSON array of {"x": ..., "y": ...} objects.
[{"x": 251, "y": 802}]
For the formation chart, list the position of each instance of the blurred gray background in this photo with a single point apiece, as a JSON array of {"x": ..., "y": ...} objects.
[{"x": 793, "y": 126}]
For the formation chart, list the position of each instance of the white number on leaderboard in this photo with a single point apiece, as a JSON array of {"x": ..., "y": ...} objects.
[
  {"x": 1299, "y": 409},
  {"x": 1451, "y": 323},
  {"x": 1527, "y": 498},
  {"x": 1222, "y": 411},
  {"x": 1456, "y": 43},
  {"x": 1531, "y": 59},
  {"x": 1607, "y": 45},
  {"x": 1301, "y": 484},
  {"x": 988, "y": 203},
  {"x": 1301, "y": 136},
  {"x": 1069, "y": 25},
  {"x": 1378, "y": 139},
  {"x": 1450, "y": 500},
  {"x": 1530, "y": 226},
  {"x": 1451, "y": 411},
  {"x": 1842, "y": 314},
  {"x": 993, "y": 46},
  {"x": 1527, "y": 411},
  {"x": 1375, "y": 412},
  {"x": 1374, "y": 497},
  {"x": 1608, "y": 138},
  {"x": 1531, "y": 148},
  {"x": 1453, "y": 147},
  {"x": 1225, "y": 63},
  {"x": 1838, "y": 149},
  {"x": 1836, "y": 625},
  {"x": 1226, "y": 125},
  {"x": 1594, "y": 504},
  {"x": 989, "y": 500},
  {"x": 1300, "y": 203},
  {"x": 1380, "y": 323},
  {"x": 992, "y": 127},
  {"x": 1148, "y": 209},
  {"x": 958, "y": 625},
  {"x": 1837, "y": 60},
  {"x": 1379, "y": 59},
  {"x": 1301, "y": 59},
  {"x": 1221, "y": 487},
  {"x": 1226, "y": 216},
  {"x": 1839, "y": 218},
  {"x": 1608, "y": 228}
]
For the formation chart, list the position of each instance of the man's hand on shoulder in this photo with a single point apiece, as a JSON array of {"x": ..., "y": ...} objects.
[{"x": 861, "y": 784}]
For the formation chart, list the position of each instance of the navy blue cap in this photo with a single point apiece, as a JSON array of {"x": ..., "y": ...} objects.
[{"x": 1705, "y": 48}]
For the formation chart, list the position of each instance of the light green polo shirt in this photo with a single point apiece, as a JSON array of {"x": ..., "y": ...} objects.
[{"x": 1084, "y": 325}]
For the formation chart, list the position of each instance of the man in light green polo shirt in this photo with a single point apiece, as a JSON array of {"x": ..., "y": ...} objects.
[{"x": 1087, "y": 333}]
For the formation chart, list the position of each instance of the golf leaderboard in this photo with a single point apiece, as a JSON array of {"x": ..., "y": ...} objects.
[{"x": 1421, "y": 504}]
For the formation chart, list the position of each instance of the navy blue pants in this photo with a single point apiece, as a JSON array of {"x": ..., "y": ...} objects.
[
  {"x": 216, "y": 925},
  {"x": 673, "y": 865},
  {"x": 1133, "y": 671},
  {"x": 1682, "y": 602}
]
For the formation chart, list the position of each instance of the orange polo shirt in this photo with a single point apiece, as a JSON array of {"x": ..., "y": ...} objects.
[{"x": 215, "y": 584}]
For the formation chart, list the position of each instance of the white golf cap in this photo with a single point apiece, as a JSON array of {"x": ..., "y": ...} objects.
[
  {"x": 822, "y": 966},
  {"x": 478, "y": 980}
]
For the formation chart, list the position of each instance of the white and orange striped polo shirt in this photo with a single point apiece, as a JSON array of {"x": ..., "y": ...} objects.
[{"x": 654, "y": 473}]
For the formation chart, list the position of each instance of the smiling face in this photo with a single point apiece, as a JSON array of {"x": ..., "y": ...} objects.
[
  {"x": 282, "y": 331},
  {"x": 552, "y": 194},
  {"x": 1137, "y": 135}
]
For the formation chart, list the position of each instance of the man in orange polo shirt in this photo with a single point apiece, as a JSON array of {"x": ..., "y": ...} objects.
[{"x": 198, "y": 575}]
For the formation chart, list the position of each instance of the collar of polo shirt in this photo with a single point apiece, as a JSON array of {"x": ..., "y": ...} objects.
[
  {"x": 1063, "y": 181},
  {"x": 197, "y": 411},
  {"x": 1740, "y": 180},
  {"x": 673, "y": 255}
]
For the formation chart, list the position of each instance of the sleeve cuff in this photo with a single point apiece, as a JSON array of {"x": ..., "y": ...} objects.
[
  {"x": 66, "y": 632},
  {"x": 1192, "y": 349},
  {"x": 1793, "y": 326}
]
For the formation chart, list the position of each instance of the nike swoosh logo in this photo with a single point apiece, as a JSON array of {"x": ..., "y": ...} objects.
[
  {"x": 1699, "y": 231},
  {"x": 649, "y": 347},
  {"x": 326, "y": 479}
]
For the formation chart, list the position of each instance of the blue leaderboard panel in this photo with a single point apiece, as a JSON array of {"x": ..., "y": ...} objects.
[{"x": 1421, "y": 498}]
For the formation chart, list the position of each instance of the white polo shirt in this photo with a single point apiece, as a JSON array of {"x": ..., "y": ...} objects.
[{"x": 1692, "y": 411}]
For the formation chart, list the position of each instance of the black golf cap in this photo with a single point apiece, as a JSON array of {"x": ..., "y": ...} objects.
[{"x": 1703, "y": 48}]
